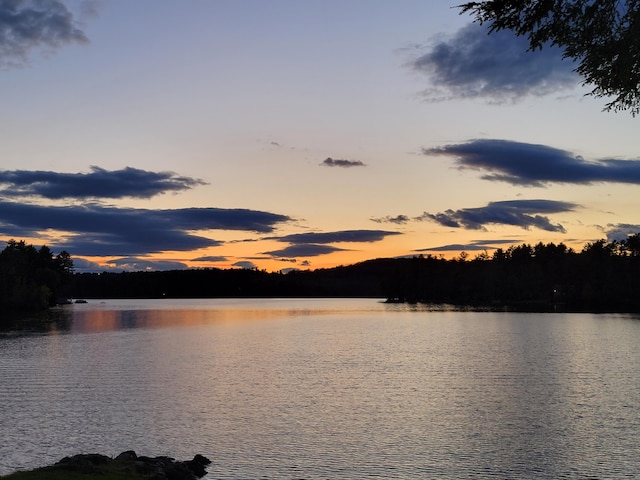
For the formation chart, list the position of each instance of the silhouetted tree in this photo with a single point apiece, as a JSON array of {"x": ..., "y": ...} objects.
[{"x": 30, "y": 278}]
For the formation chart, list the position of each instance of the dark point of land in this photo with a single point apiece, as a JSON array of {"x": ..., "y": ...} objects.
[{"x": 126, "y": 466}]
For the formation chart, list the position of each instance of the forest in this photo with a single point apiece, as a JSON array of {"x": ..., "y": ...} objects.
[{"x": 603, "y": 276}]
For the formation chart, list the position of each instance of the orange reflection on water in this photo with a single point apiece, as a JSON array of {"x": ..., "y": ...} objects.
[{"x": 93, "y": 321}]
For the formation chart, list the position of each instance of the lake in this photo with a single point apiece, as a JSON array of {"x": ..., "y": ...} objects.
[{"x": 326, "y": 389}]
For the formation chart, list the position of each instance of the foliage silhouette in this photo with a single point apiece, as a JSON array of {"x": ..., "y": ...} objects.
[{"x": 31, "y": 279}]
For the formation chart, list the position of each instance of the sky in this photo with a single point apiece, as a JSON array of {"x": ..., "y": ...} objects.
[{"x": 279, "y": 135}]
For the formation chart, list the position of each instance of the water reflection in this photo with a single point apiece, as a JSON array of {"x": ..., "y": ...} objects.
[
  {"x": 50, "y": 321},
  {"x": 294, "y": 391}
]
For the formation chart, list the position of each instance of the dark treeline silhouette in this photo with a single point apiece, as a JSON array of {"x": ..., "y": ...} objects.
[
  {"x": 30, "y": 278},
  {"x": 604, "y": 276}
]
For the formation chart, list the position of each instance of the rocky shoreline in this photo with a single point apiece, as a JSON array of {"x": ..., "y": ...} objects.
[{"x": 126, "y": 465}]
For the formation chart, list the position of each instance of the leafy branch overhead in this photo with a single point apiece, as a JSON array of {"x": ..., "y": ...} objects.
[{"x": 601, "y": 36}]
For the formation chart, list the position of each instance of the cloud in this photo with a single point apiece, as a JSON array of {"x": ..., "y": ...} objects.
[
  {"x": 398, "y": 219},
  {"x": 621, "y": 231},
  {"x": 128, "y": 264},
  {"x": 356, "y": 236},
  {"x": 290, "y": 260},
  {"x": 521, "y": 213},
  {"x": 99, "y": 183},
  {"x": 136, "y": 264},
  {"x": 303, "y": 250},
  {"x": 474, "y": 245},
  {"x": 210, "y": 258},
  {"x": 26, "y": 25},
  {"x": 330, "y": 162},
  {"x": 312, "y": 244},
  {"x": 536, "y": 165},
  {"x": 100, "y": 230},
  {"x": 245, "y": 264},
  {"x": 498, "y": 67}
]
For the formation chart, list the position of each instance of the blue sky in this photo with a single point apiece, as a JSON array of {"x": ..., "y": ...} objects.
[{"x": 288, "y": 134}]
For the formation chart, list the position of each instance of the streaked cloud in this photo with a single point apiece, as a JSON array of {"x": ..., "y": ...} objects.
[
  {"x": 210, "y": 258},
  {"x": 331, "y": 162},
  {"x": 357, "y": 236},
  {"x": 536, "y": 165},
  {"x": 497, "y": 67},
  {"x": 520, "y": 213},
  {"x": 127, "y": 264},
  {"x": 27, "y": 25},
  {"x": 312, "y": 244},
  {"x": 475, "y": 245},
  {"x": 98, "y": 183},
  {"x": 101, "y": 230},
  {"x": 136, "y": 264},
  {"x": 303, "y": 250}
]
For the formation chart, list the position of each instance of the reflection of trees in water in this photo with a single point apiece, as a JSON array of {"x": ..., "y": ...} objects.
[{"x": 57, "y": 319}]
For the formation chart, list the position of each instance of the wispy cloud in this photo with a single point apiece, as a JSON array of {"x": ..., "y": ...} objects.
[
  {"x": 536, "y": 165},
  {"x": 98, "y": 183},
  {"x": 331, "y": 162},
  {"x": 27, "y": 25},
  {"x": 101, "y": 230},
  {"x": 496, "y": 67},
  {"x": 398, "y": 219},
  {"x": 520, "y": 213}
]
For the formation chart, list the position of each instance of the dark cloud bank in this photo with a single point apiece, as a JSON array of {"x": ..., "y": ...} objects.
[
  {"x": 95, "y": 229},
  {"x": 104, "y": 230},
  {"x": 497, "y": 67},
  {"x": 99, "y": 183},
  {"x": 536, "y": 165},
  {"x": 520, "y": 213},
  {"x": 26, "y": 25}
]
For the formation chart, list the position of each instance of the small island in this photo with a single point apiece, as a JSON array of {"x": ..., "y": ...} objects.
[{"x": 126, "y": 466}]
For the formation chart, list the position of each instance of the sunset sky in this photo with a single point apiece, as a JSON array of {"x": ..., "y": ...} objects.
[{"x": 161, "y": 134}]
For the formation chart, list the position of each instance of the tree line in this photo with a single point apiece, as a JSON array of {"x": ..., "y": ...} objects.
[{"x": 604, "y": 276}]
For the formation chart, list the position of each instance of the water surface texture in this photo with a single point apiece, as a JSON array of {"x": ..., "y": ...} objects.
[{"x": 327, "y": 389}]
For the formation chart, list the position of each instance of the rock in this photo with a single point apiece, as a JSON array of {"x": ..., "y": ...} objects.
[
  {"x": 127, "y": 456},
  {"x": 154, "y": 468},
  {"x": 197, "y": 465}
]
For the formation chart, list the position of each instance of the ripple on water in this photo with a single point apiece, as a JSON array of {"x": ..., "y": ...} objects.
[{"x": 346, "y": 395}]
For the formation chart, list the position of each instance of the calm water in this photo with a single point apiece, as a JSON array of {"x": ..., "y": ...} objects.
[{"x": 327, "y": 389}]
